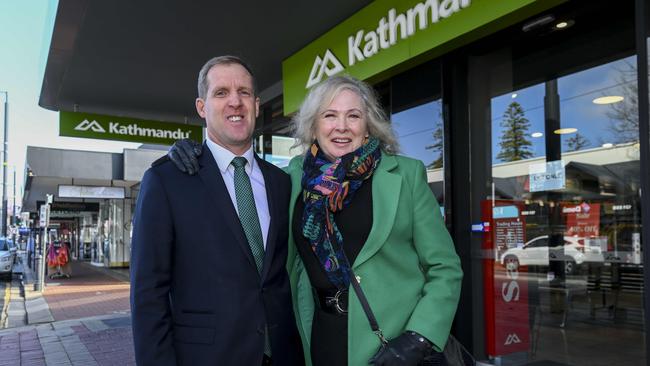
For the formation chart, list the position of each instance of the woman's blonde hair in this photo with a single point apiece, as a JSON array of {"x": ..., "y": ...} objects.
[{"x": 319, "y": 97}]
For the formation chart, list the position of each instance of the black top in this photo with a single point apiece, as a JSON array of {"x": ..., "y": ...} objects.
[{"x": 329, "y": 331}]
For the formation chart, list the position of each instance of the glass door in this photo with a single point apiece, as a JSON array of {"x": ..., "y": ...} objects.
[{"x": 558, "y": 151}]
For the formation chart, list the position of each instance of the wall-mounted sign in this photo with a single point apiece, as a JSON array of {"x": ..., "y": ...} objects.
[
  {"x": 505, "y": 289},
  {"x": 66, "y": 191},
  {"x": 97, "y": 126},
  {"x": 71, "y": 206},
  {"x": 44, "y": 216},
  {"x": 582, "y": 220},
  {"x": 546, "y": 176},
  {"x": 505, "y": 212},
  {"x": 387, "y": 33}
]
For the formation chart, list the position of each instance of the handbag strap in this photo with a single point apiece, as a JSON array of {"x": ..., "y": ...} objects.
[{"x": 366, "y": 308}]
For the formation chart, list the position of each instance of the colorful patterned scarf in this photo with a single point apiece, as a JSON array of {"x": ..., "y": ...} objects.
[{"x": 328, "y": 187}]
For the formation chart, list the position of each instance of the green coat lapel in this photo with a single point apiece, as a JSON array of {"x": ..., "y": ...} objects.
[
  {"x": 295, "y": 172},
  {"x": 386, "y": 188}
]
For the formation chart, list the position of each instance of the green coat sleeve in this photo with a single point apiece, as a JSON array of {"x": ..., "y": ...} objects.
[{"x": 434, "y": 313}]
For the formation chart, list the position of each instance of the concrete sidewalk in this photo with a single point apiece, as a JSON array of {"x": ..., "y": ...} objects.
[
  {"x": 101, "y": 340},
  {"x": 81, "y": 320}
]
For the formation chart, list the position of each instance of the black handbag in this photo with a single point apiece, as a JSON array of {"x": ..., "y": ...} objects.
[{"x": 454, "y": 354}]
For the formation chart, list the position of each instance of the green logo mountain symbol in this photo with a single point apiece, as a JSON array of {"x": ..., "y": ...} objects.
[
  {"x": 328, "y": 65},
  {"x": 94, "y": 126}
]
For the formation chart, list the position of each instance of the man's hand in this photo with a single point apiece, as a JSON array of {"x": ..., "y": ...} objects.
[
  {"x": 184, "y": 154},
  {"x": 409, "y": 349}
]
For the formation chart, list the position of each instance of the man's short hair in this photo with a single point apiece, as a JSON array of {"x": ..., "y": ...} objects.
[{"x": 221, "y": 60}]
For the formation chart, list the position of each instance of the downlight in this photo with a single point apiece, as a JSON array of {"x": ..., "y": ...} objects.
[
  {"x": 564, "y": 24},
  {"x": 610, "y": 99},
  {"x": 565, "y": 131}
]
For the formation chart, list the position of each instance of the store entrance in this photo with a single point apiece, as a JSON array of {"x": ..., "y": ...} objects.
[{"x": 555, "y": 140}]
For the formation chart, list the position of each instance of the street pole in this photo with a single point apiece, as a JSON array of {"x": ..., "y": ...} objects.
[
  {"x": 4, "y": 166},
  {"x": 13, "y": 210}
]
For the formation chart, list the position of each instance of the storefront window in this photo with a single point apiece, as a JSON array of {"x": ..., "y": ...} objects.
[
  {"x": 417, "y": 120},
  {"x": 563, "y": 249},
  {"x": 420, "y": 134}
]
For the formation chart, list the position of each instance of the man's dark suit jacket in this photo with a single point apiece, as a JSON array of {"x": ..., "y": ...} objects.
[{"x": 196, "y": 296}]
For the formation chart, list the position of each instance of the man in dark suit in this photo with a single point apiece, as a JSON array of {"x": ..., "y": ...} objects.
[{"x": 208, "y": 278}]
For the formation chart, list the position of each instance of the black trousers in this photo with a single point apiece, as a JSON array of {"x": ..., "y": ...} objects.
[{"x": 267, "y": 361}]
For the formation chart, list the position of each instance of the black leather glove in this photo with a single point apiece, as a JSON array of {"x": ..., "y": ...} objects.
[
  {"x": 184, "y": 154},
  {"x": 410, "y": 348}
]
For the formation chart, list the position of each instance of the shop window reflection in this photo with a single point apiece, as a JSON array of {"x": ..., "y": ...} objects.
[
  {"x": 565, "y": 209},
  {"x": 419, "y": 131}
]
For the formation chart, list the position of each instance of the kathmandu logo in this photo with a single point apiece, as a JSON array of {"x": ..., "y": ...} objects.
[
  {"x": 389, "y": 30},
  {"x": 94, "y": 126},
  {"x": 585, "y": 207},
  {"x": 328, "y": 65},
  {"x": 512, "y": 339}
]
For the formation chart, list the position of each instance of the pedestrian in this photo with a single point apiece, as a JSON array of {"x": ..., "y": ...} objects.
[
  {"x": 361, "y": 214},
  {"x": 209, "y": 284},
  {"x": 30, "y": 250}
]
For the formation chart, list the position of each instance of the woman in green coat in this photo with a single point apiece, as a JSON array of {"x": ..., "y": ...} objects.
[
  {"x": 355, "y": 193},
  {"x": 356, "y": 205}
]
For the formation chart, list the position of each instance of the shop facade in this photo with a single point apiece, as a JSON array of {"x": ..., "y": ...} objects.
[
  {"x": 93, "y": 197},
  {"x": 532, "y": 120}
]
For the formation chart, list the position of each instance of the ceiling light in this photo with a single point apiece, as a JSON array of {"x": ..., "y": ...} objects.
[
  {"x": 608, "y": 145},
  {"x": 564, "y": 131},
  {"x": 564, "y": 24},
  {"x": 537, "y": 134},
  {"x": 514, "y": 95},
  {"x": 608, "y": 99}
]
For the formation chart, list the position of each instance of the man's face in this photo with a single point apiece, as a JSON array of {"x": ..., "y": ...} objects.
[{"x": 230, "y": 107}]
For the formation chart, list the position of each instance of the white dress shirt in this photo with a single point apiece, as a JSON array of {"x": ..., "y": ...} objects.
[{"x": 224, "y": 157}]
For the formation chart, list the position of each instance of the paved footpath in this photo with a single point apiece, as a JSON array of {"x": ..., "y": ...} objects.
[
  {"x": 89, "y": 291},
  {"x": 102, "y": 340},
  {"x": 83, "y": 320}
]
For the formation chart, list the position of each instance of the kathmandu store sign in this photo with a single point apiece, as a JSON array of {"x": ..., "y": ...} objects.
[
  {"x": 388, "y": 33},
  {"x": 97, "y": 126}
]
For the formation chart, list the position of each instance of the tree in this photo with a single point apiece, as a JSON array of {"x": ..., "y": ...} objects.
[
  {"x": 514, "y": 144},
  {"x": 624, "y": 115},
  {"x": 437, "y": 146},
  {"x": 577, "y": 142}
]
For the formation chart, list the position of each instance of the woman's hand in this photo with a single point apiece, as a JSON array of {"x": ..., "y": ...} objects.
[
  {"x": 184, "y": 154},
  {"x": 409, "y": 349}
]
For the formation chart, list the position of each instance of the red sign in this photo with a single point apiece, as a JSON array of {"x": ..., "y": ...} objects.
[
  {"x": 582, "y": 220},
  {"x": 505, "y": 287}
]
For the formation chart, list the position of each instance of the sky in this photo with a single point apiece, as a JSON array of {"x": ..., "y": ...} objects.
[
  {"x": 25, "y": 33},
  {"x": 577, "y": 110}
]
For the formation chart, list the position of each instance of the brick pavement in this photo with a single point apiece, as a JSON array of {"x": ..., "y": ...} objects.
[
  {"x": 88, "y": 292},
  {"x": 108, "y": 347},
  {"x": 92, "y": 324},
  {"x": 95, "y": 341}
]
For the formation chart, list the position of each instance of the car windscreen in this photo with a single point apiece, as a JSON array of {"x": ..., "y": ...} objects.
[{"x": 3, "y": 245}]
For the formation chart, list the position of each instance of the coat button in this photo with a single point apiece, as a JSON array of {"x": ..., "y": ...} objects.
[{"x": 358, "y": 278}]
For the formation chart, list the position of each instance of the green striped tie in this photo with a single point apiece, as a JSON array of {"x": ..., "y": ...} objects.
[{"x": 250, "y": 222}]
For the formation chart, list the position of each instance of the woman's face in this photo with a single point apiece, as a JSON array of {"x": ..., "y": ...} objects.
[{"x": 341, "y": 126}]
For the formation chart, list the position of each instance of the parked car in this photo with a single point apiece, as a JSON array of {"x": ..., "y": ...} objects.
[
  {"x": 7, "y": 257},
  {"x": 536, "y": 252}
]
